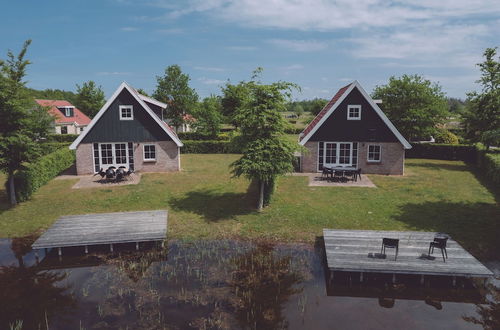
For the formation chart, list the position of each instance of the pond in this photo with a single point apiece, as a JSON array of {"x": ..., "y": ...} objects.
[{"x": 225, "y": 285}]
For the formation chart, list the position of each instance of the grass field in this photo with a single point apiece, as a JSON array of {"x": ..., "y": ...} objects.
[{"x": 205, "y": 202}]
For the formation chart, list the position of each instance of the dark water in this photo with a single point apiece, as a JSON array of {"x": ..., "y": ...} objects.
[{"x": 228, "y": 285}]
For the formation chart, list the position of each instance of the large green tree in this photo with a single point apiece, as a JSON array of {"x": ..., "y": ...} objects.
[
  {"x": 482, "y": 115},
  {"x": 89, "y": 98},
  {"x": 233, "y": 95},
  {"x": 208, "y": 116},
  {"x": 266, "y": 152},
  {"x": 414, "y": 105},
  {"x": 22, "y": 123},
  {"x": 173, "y": 88}
]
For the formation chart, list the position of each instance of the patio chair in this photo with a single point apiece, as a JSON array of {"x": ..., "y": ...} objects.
[
  {"x": 392, "y": 243},
  {"x": 358, "y": 174},
  {"x": 326, "y": 172},
  {"x": 338, "y": 175},
  {"x": 440, "y": 243},
  {"x": 349, "y": 175}
]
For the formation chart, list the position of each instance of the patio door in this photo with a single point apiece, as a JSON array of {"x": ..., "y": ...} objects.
[
  {"x": 337, "y": 154},
  {"x": 113, "y": 154}
]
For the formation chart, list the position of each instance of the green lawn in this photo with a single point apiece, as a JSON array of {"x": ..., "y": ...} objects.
[{"x": 205, "y": 202}]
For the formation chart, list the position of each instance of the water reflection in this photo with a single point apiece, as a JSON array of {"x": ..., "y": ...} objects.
[{"x": 223, "y": 285}]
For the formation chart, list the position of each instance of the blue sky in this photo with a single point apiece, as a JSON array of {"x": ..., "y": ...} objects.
[{"x": 319, "y": 44}]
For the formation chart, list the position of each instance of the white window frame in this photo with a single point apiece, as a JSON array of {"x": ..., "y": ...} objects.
[
  {"x": 337, "y": 151},
  {"x": 131, "y": 107},
  {"x": 113, "y": 155},
  {"x": 144, "y": 153},
  {"x": 67, "y": 111},
  {"x": 379, "y": 153},
  {"x": 353, "y": 106}
]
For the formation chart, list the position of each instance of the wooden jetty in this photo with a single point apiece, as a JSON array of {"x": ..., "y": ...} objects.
[
  {"x": 104, "y": 228},
  {"x": 359, "y": 251}
]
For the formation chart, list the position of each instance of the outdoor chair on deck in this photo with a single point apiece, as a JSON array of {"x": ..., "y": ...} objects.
[
  {"x": 338, "y": 176},
  {"x": 392, "y": 243},
  {"x": 440, "y": 243}
]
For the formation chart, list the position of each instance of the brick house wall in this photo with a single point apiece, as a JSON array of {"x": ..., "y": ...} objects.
[
  {"x": 167, "y": 158},
  {"x": 392, "y": 158}
]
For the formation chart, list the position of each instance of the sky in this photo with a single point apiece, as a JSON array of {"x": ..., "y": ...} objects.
[{"x": 321, "y": 45}]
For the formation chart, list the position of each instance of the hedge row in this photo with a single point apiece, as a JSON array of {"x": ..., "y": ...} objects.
[
  {"x": 489, "y": 163},
  {"x": 49, "y": 147},
  {"x": 442, "y": 151},
  {"x": 38, "y": 173},
  {"x": 208, "y": 147},
  {"x": 62, "y": 137},
  {"x": 195, "y": 136},
  {"x": 293, "y": 130}
]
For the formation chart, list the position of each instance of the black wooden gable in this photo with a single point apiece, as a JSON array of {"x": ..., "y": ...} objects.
[
  {"x": 109, "y": 127},
  {"x": 371, "y": 127}
]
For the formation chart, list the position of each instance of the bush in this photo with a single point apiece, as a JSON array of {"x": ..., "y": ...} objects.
[
  {"x": 195, "y": 136},
  {"x": 49, "y": 147},
  {"x": 442, "y": 151},
  {"x": 36, "y": 174},
  {"x": 62, "y": 138},
  {"x": 489, "y": 164},
  {"x": 446, "y": 137},
  {"x": 209, "y": 147},
  {"x": 293, "y": 130}
]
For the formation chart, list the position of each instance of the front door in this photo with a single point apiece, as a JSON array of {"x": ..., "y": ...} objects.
[{"x": 114, "y": 154}]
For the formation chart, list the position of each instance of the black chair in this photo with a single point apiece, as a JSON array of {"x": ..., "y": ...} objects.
[
  {"x": 338, "y": 175},
  {"x": 440, "y": 243},
  {"x": 326, "y": 172},
  {"x": 349, "y": 175},
  {"x": 392, "y": 243},
  {"x": 358, "y": 174}
]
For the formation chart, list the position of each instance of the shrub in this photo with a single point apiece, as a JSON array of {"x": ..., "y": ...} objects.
[
  {"x": 489, "y": 163},
  {"x": 36, "y": 174},
  {"x": 209, "y": 147},
  {"x": 446, "y": 137},
  {"x": 195, "y": 136},
  {"x": 442, "y": 151},
  {"x": 62, "y": 138},
  {"x": 293, "y": 130},
  {"x": 49, "y": 147}
]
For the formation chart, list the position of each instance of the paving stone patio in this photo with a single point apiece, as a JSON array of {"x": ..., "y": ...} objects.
[
  {"x": 316, "y": 181},
  {"x": 91, "y": 181}
]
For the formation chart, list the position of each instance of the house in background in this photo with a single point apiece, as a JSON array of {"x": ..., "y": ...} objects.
[
  {"x": 67, "y": 118},
  {"x": 351, "y": 130},
  {"x": 128, "y": 131}
]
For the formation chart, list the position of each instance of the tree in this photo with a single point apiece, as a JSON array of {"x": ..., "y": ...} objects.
[
  {"x": 208, "y": 116},
  {"x": 482, "y": 115},
  {"x": 413, "y": 104},
  {"x": 142, "y": 92},
  {"x": 298, "y": 110},
  {"x": 266, "y": 153},
  {"x": 173, "y": 89},
  {"x": 232, "y": 98},
  {"x": 89, "y": 98},
  {"x": 22, "y": 124},
  {"x": 455, "y": 106}
]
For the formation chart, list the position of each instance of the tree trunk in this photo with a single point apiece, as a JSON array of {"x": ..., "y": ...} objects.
[
  {"x": 12, "y": 189},
  {"x": 261, "y": 196}
]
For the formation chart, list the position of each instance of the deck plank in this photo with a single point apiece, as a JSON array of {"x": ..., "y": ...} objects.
[
  {"x": 359, "y": 251},
  {"x": 105, "y": 228}
]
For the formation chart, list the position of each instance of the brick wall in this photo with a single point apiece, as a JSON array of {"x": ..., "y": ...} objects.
[
  {"x": 392, "y": 160},
  {"x": 167, "y": 158}
]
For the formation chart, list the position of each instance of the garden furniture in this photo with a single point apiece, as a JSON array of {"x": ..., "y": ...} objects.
[
  {"x": 392, "y": 243},
  {"x": 440, "y": 243}
]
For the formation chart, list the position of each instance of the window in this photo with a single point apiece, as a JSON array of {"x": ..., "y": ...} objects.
[
  {"x": 126, "y": 112},
  {"x": 149, "y": 152},
  {"x": 353, "y": 112},
  {"x": 374, "y": 153},
  {"x": 121, "y": 153},
  {"x": 81, "y": 129},
  {"x": 64, "y": 129},
  {"x": 106, "y": 154},
  {"x": 113, "y": 154},
  {"x": 68, "y": 112}
]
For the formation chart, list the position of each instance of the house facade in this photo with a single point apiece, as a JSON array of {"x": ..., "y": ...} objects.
[
  {"x": 128, "y": 131},
  {"x": 67, "y": 118},
  {"x": 352, "y": 131}
]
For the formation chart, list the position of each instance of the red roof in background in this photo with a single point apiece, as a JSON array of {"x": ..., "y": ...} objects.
[
  {"x": 78, "y": 117},
  {"x": 323, "y": 112}
]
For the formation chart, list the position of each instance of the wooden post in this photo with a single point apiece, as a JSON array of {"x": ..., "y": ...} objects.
[
  {"x": 46, "y": 251},
  {"x": 393, "y": 278},
  {"x": 422, "y": 279},
  {"x": 86, "y": 249},
  {"x": 36, "y": 253},
  {"x": 111, "y": 247},
  {"x": 454, "y": 281},
  {"x": 137, "y": 246},
  {"x": 162, "y": 244},
  {"x": 361, "y": 277},
  {"x": 59, "y": 251}
]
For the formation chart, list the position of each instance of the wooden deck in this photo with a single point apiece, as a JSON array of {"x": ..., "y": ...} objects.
[
  {"x": 104, "y": 228},
  {"x": 359, "y": 251}
]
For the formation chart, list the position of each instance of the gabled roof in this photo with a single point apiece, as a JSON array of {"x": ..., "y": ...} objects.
[
  {"x": 78, "y": 116},
  {"x": 337, "y": 99},
  {"x": 139, "y": 98}
]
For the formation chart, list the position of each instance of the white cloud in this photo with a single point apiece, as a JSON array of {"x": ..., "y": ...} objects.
[
  {"x": 211, "y": 81},
  {"x": 169, "y": 31},
  {"x": 112, "y": 73},
  {"x": 299, "y": 45},
  {"x": 128, "y": 29},
  {"x": 241, "y": 48},
  {"x": 209, "y": 68},
  {"x": 293, "y": 67}
]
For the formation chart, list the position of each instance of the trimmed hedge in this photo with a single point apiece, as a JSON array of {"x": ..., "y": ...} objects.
[
  {"x": 62, "y": 137},
  {"x": 36, "y": 174},
  {"x": 489, "y": 163},
  {"x": 293, "y": 130},
  {"x": 442, "y": 151},
  {"x": 209, "y": 147},
  {"x": 49, "y": 147},
  {"x": 195, "y": 136}
]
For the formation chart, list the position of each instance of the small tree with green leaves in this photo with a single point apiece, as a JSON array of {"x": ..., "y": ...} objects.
[
  {"x": 208, "y": 116},
  {"x": 414, "y": 105},
  {"x": 266, "y": 153},
  {"x": 173, "y": 88},
  {"x": 22, "y": 124},
  {"x": 482, "y": 115},
  {"x": 89, "y": 98}
]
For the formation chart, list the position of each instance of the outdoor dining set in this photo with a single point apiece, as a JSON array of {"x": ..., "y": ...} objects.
[
  {"x": 340, "y": 174},
  {"x": 439, "y": 242},
  {"x": 113, "y": 174}
]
